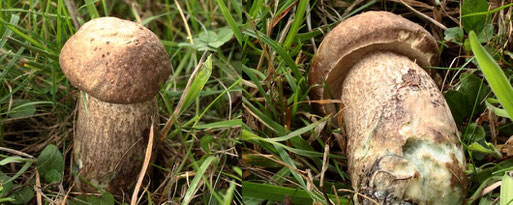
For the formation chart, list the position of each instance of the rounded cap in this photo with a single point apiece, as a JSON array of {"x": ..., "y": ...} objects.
[
  {"x": 347, "y": 43},
  {"x": 115, "y": 61}
]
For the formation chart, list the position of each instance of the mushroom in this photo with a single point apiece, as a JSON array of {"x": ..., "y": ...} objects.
[
  {"x": 403, "y": 144},
  {"x": 120, "y": 65}
]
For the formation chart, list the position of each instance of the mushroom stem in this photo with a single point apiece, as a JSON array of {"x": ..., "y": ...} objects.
[
  {"x": 402, "y": 139},
  {"x": 109, "y": 143}
]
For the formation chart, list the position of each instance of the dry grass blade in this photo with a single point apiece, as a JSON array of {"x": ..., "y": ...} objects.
[
  {"x": 359, "y": 194},
  {"x": 16, "y": 152},
  {"x": 490, "y": 188},
  {"x": 184, "y": 21},
  {"x": 425, "y": 16},
  {"x": 37, "y": 187},
  {"x": 146, "y": 163}
]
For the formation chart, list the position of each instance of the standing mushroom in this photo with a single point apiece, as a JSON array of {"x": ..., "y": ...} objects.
[
  {"x": 120, "y": 65},
  {"x": 403, "y": 144}
]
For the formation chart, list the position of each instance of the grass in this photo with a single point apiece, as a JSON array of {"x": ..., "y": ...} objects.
[
  {"x": 290, "y": 153},
  {"x": 237, "y": 61},
  {"x": 196, "y": 161}
]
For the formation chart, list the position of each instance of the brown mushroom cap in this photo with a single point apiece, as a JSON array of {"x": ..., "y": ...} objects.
[
  {"x": 115, "y": 61},
  {"x": 347, "y": 43}
]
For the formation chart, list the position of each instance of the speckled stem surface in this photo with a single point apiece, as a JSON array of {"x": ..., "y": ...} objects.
[
  {"x": 403, "y": 144},
  {"x": 110, "y": 141}
]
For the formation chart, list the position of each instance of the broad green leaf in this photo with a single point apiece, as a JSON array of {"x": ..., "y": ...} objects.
[
  {"x": 493, "y": 74},
  {"x": 486, "y": 34},
  {"x": 209, "y": 36},
  {"x": 475, "y": 23},
  {"x": 506, "y": 196},
  {"x": 50, "y": 164},
  {"x": 205, "y": 143},
  {"x": 487, "y": 149},
  {"x": 473, "y": 91},
  {"x": 22, "y": 109},
  {"x": 5, "y": 184},
  {"x": 22, "y": 196},
  {"x": 458, "y": 105},
  {"x": 474, "y": 133},
  {"x": 454, "y": 34},
  {"x": 224, "y": 35}
]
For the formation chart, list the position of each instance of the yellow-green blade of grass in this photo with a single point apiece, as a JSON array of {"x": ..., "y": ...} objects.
[
  {"x": 199, "y": 82},
  {"x": 249, "y": 136},
  {"x": 507, "y": 189},
  {"x": 228, "y": 198},
  {"x": 221, "y": 124},
  {"x": 91, "y": 9},
  {"x": 493, "y": 74},
  {"x": 296, "y": 24},
  {"x": 22, "y": 34},
  {"x": 196, "y": 180}
]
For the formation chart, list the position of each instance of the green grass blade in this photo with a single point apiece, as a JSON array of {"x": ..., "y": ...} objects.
[
  {"x": 278, "y": 193},
  {"x": 248, "y": 136},
  {"x": 277, "y": 127},
  {"x": 195, "y": 182},
  {"x": 275, "y": 46},
  {"x": 93, "y": 13},
  {"x": 19, "y": 172},
  {"x": 261, "y": 89},
  {"x": 222, "y": 124},
  {"x": 237, "y": 5},
  {"x": 296, "y": 24},
  {"x": 7, "y": 33},
  {"x": 229, "y": 194},
  {"x": 231, "y": 22},
  {"x": 487, "y": 12},
  {"x": 21, "y": 34},
  {"x": 215, "y": 100},
  {"x": 493, "y": 74},
  {"x": 199, "y": 82},
  {"x": 299, "y": 131}
]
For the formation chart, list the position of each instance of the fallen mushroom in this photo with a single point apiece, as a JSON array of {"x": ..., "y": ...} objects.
[
  {"x": 120, "y": 65},
  {"x": 403, "y": 145}
]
